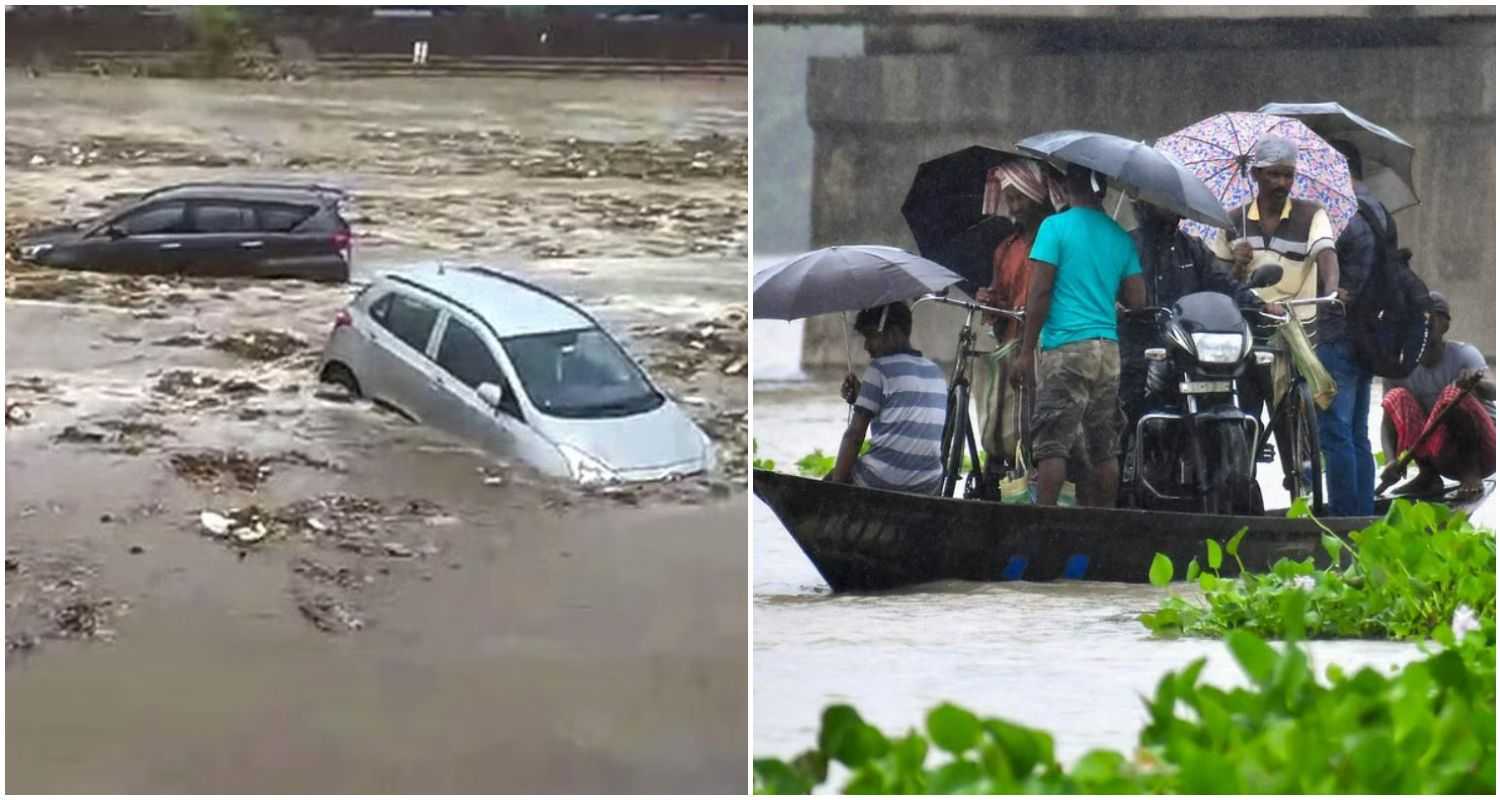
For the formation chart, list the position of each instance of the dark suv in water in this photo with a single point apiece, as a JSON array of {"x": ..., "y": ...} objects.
[{"x": 266, "y": 230}]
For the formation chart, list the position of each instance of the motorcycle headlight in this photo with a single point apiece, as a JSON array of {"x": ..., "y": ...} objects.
[
  {"x": 34, "y": 250},
  {"x": 1219, "y": 348},
  {"x": 586, "y": 469}
]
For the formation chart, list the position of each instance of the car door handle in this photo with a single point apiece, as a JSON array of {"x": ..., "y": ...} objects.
[
  {"x": 172, "y": 246},
  {"x": 251, "y": 245}
]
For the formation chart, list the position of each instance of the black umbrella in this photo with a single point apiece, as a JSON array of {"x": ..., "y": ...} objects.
[
  {"x": 944, "y": 208},
  {"x": 971, "y": 252},
  {"x": 1137, "y": 169},
  {"x": 1386, "y": 156}
]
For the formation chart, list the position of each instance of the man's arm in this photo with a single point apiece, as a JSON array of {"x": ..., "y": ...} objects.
[
  {"x": 1038, "y": 304},
  {"x": 1388, "y": 447},
  {"x": 1214, "y": 275},
  {"x": 1320, "y": 240},
  {"x": 1133, "y": 289},
  {"x": 1328, "y": 272},
  {"x": 1476, "y": 372},
  {"x": 854, "y": 438}
]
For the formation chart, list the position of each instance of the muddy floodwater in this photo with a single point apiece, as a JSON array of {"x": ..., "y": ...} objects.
[
  {"x": 223, "y": 577},
  {"x": 1067, "y": 657}
]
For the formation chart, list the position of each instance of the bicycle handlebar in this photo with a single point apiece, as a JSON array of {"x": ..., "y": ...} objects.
[
  {"x": 1308, "y": 301},
  {"x": 1016, "y": 314}
]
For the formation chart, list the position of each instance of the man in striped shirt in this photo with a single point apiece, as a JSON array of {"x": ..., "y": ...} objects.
[{"x": 901, "y": 404}]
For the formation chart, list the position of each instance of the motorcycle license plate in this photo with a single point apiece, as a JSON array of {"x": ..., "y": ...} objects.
[{"x": 1204, "y": 387}]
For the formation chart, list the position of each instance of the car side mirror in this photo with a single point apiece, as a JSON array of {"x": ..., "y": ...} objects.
[
  {"x": 490, "y": 394},
  {"x": 499, "y": 399},
  {"x": 1265, "y": 275},
  {"x": 114, "y": 232}
]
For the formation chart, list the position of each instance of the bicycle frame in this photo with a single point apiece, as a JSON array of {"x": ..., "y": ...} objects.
[
  {"x": 957, "y": 428},
  {"x": 1280, "y": 412}
]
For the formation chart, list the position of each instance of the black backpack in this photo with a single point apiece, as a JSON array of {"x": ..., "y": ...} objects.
[{"x": 1387, "y": 320}]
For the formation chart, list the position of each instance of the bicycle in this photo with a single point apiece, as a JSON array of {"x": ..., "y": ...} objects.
[
  {"x": 957, "y": 426},
  {"x": 1295, "y": 415}
]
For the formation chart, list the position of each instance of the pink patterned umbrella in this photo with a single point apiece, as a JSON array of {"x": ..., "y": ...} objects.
[{"x": 1218, "y": 149}]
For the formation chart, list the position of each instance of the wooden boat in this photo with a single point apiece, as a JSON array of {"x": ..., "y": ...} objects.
[{"x": 868, "y": 540}]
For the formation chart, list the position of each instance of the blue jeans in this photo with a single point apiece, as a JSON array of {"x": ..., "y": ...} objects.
[{"x": 1344, "y": 431}]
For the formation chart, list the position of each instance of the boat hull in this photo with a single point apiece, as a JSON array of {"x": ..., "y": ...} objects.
[{"x": 863, "y": 539}]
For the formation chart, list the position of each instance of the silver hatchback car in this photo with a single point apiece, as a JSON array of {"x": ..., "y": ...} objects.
[{"x": 515, "y": 370}]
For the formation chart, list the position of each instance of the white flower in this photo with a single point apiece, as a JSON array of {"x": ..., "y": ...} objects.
[
  {"x": 1464, "y": 621},
  {"x": 1304, "y": 582}
]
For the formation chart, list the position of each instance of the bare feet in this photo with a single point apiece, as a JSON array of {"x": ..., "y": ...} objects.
[
  {"x": 1427, "y": 482},
  {"x": 1469, "y": 489}
]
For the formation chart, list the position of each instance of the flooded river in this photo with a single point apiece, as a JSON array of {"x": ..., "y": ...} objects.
[
  {"x": 417, "y": 617},
  {"x": 1068, "y": 657}
]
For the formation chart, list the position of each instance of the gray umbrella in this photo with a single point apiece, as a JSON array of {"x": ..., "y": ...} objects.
[
  {"x": 1386, "y": 156},
  {"x": 1137, "y": 169},
  {"x": 847, "y": 278}
]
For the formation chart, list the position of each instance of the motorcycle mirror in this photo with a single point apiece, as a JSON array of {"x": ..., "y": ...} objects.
[{"x": 1266, "y": 275}]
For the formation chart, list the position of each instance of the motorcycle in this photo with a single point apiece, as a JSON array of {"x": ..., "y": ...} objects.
[{"x": 1194, "y": 449}]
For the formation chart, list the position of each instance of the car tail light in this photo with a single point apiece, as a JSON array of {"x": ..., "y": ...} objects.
[
  {"x": 342, "y": 318},
  {"x": 342, "y": 242}
]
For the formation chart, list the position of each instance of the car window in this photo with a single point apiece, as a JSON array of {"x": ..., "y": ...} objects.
[
  {"x": 579, "y": 374},
  {"x": 381, "y": 308},
  {"x": 223, "y": 218},
  {"x": 163, "y": 218},
  {"x": 282, "y": 218},
  {"x": 411, "y": 320},
  {"x": 465, "y": 355}
]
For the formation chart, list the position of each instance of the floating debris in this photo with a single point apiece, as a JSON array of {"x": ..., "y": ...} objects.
[
  {"x": 329, "y": 615},
  {"x": 260, "y": 344}
]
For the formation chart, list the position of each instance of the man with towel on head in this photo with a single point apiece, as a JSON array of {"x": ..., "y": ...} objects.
[{"x": 1023, "y": 190}]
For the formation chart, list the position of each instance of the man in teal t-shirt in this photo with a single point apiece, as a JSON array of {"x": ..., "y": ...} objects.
[{"x": 1081, "y": 261}]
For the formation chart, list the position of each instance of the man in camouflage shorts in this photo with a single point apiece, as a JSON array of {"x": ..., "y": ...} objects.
[
  {"x": 1078, "y": 396},
  {"x": 1080, "y": 263}
]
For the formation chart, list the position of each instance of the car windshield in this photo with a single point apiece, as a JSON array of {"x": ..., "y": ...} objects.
[{"x": 580, "y": 374}]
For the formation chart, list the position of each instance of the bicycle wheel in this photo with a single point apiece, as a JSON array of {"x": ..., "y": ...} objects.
[
  {"x": 1306, "y": 462},
  {"x": 958, "y": 429},
  {"x": 949, "y": 421}
]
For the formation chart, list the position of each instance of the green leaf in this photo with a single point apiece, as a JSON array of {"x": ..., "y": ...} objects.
[
  {"x": 1024, "y": 748},
  {"x": 847, "y": 739},
  {"x": 773, "y": 776},
  {"x": 1256, "y": 658},
  {"x": 1208, "y": 582},
  {"x": 1215, "y": 555},
  {"x": 952, "y": 728},
  {"x": 1192, "y": 570},
  {"x": 1098, "y": 769},
  {"x": 1234, "y": 542},
  {"x": 867, "y": 781},
  {"x": 1161, "y": 570},
  {"x": 1334, "y": 547},
  {"x": 1300, "y": 509},
  {"x": 910, "y": 752},
  {"x": 1293, "y": 609},
  {"x": 959, "y": 777}
]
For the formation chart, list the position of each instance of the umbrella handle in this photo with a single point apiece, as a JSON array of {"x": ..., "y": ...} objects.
[
  {"x": 1119, "y": 201},
  {"x": 848, "y": 357}
]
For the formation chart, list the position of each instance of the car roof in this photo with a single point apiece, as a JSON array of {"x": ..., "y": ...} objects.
[
  {"x": 510, "y": 305},
  {"x": 246, "y": 191}
]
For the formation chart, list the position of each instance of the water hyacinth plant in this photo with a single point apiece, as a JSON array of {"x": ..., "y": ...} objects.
[
  {"x": 1401, "y": 578},
  {"x": 1428, "y": 728}
]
